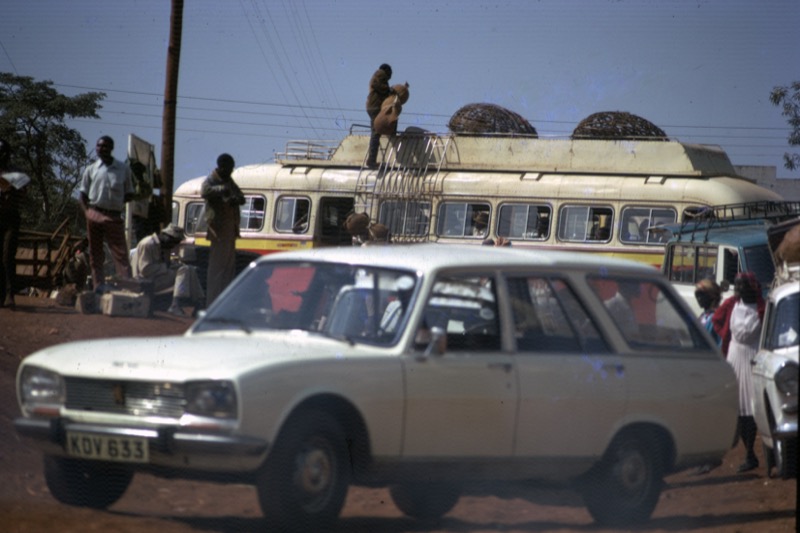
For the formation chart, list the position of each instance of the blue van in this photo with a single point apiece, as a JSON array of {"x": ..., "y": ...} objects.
[{"x": 721, "y": 241}]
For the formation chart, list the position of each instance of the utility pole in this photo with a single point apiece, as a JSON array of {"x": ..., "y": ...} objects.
[{"x": 170, "y": 105}]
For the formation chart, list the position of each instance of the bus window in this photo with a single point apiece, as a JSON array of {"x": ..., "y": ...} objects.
[
  {"x": 252, "y": 213},
  {"x": 195, "y": 218},
  {"x": 578, "y": 223},
  {"x": 291, "y": 214},
  {"x": 524, "y": 221},
  {"x": 635, "y": 222},
  {"x": 405, "y": 217},
  {"x": 457, "y": 219}
]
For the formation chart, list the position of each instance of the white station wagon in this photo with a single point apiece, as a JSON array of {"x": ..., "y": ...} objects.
[{"x": 426, "y": 368}]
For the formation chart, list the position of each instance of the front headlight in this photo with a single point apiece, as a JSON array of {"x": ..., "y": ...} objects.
[
  {"x": 38, "y": 386},
  {"x": 786, "y": 379},
  {"x": 216, "y": 399}
]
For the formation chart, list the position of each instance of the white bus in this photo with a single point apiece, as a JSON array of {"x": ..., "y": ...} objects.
[{"x": 598, "y": 196}]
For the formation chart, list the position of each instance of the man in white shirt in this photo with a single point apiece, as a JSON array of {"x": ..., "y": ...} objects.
[{"x": 151, "y": 261}]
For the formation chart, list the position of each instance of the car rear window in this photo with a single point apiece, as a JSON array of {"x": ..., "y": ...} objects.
[
  {"x": 646, "y": 314},
  {"x": 549, "y": 318}
]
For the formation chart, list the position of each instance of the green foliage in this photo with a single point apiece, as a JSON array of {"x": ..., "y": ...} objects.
[
  {"x": 788, "y": 98},
  {"x": 33, "y": 119}
]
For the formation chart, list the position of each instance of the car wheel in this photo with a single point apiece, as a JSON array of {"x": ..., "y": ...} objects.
[
  {"x": 304, "y": 481},
  {"x": 785, "y": 458},
  {"x": 86, "y": 483},
  {"x": 425, "y": 501},
  {"x": 624, "y": 488}
]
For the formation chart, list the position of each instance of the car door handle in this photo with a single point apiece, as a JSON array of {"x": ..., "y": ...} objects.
[{"x": 507, "y": 367}]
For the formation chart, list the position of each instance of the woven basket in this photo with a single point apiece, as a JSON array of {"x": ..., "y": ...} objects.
[
  {"x": 489, "y": 118},
  {"x": 618, "y": 125}
]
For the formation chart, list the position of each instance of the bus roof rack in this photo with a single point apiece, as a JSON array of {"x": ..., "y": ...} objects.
[
  {"x": 748, "y": 213},
  {"x": 302, "y": 149}
]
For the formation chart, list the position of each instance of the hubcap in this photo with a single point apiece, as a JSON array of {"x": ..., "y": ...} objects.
[
  {"x": 631, "y": 471},
  {"x": 314, "y": 476}
]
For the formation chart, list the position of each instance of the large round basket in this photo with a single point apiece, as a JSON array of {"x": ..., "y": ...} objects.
[
  {"x": 482, "y": 119},
  {"x": 618, "y": 125}
]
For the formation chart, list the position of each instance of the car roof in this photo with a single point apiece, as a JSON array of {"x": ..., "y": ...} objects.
[{"x": 434, "y": 256}]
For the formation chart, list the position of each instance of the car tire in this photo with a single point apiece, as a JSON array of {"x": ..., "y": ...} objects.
[
  {"x": 92, "y": 484},
  {"x": 304, "y": 481},
  {"x": 785, "y": 458},
  {"x": 624, "y": 487},
  {"x": 425, "y": 501}
]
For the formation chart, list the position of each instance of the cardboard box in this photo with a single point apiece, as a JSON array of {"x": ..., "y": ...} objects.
[{"x": 125, "y": 303}]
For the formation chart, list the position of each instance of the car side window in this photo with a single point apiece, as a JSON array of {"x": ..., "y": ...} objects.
[
  {"x": 781, "y": 330},
  {"x": 548, "y": 317},
  {"x": 465, "y": 307},
  {"x": 646, "y": 315}
]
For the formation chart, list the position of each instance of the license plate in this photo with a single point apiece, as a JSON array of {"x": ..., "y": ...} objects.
[{"x": 108, "y": 448}]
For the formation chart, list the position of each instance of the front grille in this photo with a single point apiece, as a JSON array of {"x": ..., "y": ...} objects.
[{"x": 125, "y": 397}]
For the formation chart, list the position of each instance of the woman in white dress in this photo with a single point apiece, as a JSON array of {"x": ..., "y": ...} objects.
[{"x": 745, "y": 311}]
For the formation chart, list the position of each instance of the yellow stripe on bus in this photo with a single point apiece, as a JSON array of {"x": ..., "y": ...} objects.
[{"x": 264, "y": 246}]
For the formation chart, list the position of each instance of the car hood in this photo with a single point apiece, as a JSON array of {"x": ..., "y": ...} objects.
[{"x": 222, "y": 356}]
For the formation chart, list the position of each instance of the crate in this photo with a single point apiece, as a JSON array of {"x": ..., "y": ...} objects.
[{"x": 125, "y": 303}]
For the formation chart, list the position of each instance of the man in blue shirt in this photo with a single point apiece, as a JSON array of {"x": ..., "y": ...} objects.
[{"x": 105, "y": 188}]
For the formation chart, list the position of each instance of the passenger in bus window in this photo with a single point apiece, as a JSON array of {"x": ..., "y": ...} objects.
[{"x": 480, "y": 223}]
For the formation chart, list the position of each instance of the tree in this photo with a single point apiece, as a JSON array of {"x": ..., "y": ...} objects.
[
  {"x": 788, "y": 98},
  {"x": 32, "y": 119}
]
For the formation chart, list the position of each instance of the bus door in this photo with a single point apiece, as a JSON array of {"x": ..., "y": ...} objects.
[{"x": 331, "y": 214}]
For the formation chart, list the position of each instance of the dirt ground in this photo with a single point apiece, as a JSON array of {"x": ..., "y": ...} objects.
[{"x": 720, "y": 501}]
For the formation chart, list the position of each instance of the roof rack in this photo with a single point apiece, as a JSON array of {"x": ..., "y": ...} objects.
[
  {"x": 303, "y": 150},
  {"x": 721, "y": 216}
]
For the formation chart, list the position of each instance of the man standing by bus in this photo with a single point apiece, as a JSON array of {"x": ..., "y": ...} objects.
[{"x": 223, "y": 198}]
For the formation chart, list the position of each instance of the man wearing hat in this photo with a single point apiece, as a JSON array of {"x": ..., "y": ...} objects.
[{"x": 151, "y": 261}]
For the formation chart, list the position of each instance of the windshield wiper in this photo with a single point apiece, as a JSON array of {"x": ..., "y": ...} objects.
[
  {"x": 233, "y": 321},
  {"x": 338, "y": 336}
]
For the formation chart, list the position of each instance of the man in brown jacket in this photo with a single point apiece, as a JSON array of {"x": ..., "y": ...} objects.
[
  {"x": 223, "y": 199},
  {"x": 379, "y": 89}
]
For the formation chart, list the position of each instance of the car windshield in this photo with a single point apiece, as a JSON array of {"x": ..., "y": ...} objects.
[
  {"x": 782, "y": 329},
  {"x": 348, "y": 302}
]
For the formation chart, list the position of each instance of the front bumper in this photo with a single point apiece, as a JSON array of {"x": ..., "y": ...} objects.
[{"x": 169, "y": 446}]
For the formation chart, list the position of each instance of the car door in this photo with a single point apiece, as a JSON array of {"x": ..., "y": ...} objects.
[
  {"x": 572, "y": 386},
  {"x": 461, "y": 403}
]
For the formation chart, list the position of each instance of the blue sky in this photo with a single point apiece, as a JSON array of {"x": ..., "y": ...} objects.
[{"x": 255, "y": 74}]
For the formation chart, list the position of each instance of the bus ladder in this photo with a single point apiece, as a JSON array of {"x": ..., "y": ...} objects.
[{"x": 409, "y": 174}]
